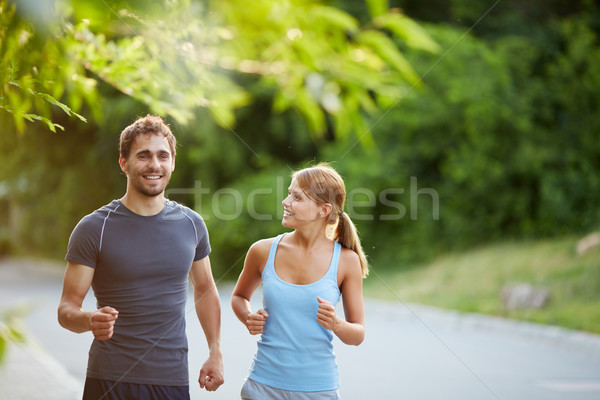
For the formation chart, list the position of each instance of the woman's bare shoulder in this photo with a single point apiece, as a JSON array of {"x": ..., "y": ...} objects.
[
  {"x": 261, "y": 246},
  {"x": 349, "y": 263},
  {"x": 259, "y": 252}
]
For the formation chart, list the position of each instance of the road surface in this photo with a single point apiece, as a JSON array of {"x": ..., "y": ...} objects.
[{"x": 410, "y": 351}]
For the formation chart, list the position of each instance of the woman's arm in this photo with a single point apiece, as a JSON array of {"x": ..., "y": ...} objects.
[
  {"x": 249, "y": 280},
  {"x": 350, "y": 330}
]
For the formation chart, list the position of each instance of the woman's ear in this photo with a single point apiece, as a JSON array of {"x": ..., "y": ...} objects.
[{"x": 325, "y": 210}]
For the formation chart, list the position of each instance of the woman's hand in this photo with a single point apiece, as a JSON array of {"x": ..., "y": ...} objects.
[
  {"x": 327, "y": 316},
  {"x": 256, "y": 321}
]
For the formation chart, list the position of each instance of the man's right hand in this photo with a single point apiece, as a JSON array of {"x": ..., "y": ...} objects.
[{"x": 102, "y": 322}]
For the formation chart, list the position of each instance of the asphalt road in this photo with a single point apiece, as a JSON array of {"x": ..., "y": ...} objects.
[{"x": 410, "y": 351}]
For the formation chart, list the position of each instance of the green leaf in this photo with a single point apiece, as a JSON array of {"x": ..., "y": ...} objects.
[
  {"x": 223, "y": 116},
  {"x": 281, "y": 102},
  {"x": 363, "y": 131},
  {"x": 408, "y": 30},
  {"x": 387, "y": 50},
  {"x": 15, "y": 330},
  {"x": 343, "y": 125},
  {"x": 2, "y": 349},
  {"x": 19, "y": 123},
  {"x": 334, "y": 17},
  {"x": 367, "y": 102},
  {"x": 11, "y": 330},
  {"x": 377, "y": 7},
  {"x": 51, "y": 125},
  {"x": 311, "y": 111},
  {"x": 52, "y": 100}
]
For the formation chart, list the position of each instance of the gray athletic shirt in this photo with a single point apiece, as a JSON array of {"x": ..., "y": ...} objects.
[{"x": 141, "y": 269}]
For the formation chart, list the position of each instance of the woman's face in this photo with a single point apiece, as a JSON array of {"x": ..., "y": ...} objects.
[{"x": 298, "y": 208}]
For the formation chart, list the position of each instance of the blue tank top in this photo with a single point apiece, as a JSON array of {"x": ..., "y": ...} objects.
[{"x": 295, "y": 352}]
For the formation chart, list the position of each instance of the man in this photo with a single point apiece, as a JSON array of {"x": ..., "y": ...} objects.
[{"x": 137, "y": 253}]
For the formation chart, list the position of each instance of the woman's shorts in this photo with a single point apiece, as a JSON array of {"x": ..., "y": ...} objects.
[{"x": 253, "y": 390}]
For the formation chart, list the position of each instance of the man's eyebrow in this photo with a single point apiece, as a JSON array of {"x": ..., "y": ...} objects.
[{"x": 146, "y": 151}]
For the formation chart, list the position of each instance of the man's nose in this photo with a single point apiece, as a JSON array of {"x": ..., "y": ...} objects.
[{"x": 154, "y": 163}]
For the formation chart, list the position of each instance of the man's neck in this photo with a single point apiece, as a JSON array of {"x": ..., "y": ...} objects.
[{"x": 143, "y": 205}]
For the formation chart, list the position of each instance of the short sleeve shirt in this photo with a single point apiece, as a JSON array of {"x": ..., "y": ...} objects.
[{"x": 141, "y": 267}]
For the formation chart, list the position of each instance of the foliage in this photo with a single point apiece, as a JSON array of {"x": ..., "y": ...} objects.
[
  {"x": 493, "y": 122},
  {"x": 243, "y": 213},
  {"x": 50, "y": 181},
  {"x": 448, "y": 281},
  {"x": 504, "y": 134},
  {"x": 30, "y": 85},
  {"x": 192, "y": 61},
  {"x": 177, "y": 56},
  {"x": 11, "y": 331},
  {"x": 320, "y": 60},
  {"x": 500, "y": 18}
]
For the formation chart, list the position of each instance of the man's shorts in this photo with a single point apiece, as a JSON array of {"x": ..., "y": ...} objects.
[
  {"x": 100, "y": 389},
  {"x": 253, "y": 390}
]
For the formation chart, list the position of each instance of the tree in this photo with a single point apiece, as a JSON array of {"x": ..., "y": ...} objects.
[
  {"x": 35, "y": 72},
  {"x": 178, "y": 56},
  {"x": 311, "y": 69}
]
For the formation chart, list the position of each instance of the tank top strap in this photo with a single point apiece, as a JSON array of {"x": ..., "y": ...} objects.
[
  {"x": 333, "y": 267},
  {"x": 270, "y": 266}
]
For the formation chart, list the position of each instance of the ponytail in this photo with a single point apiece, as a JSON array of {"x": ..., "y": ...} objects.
[{"x": 346, "y": 234}]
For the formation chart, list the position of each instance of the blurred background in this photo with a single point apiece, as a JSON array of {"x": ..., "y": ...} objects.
[{"x": 467, "y": 132}]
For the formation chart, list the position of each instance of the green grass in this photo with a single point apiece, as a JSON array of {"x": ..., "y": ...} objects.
[{"x": 472, "y": 281}]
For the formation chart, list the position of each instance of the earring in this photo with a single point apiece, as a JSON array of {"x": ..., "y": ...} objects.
[{"x": 319, "y": 215}]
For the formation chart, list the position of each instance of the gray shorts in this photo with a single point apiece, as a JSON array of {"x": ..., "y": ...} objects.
[{"x": 257, "y": 391}]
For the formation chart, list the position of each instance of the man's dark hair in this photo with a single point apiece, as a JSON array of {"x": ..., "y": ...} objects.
[{"x": 150, "y": 124}]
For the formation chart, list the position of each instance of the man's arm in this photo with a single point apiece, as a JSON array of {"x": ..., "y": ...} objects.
[
  {"x": 208, "y": 309},
  {"x": 77, "y": 282}
]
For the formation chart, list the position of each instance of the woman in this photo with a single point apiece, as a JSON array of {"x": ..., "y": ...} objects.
[{"x": 303, "y": 275}]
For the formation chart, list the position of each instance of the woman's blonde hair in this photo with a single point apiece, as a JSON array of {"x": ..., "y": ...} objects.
[{"x": 323, "y": 185}]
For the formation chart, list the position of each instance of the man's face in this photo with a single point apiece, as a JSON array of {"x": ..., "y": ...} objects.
[{"x": 149, "y": 165}]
